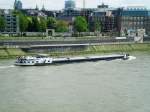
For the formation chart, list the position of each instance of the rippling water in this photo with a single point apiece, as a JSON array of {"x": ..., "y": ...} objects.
[{"x": 104, "y": 86}]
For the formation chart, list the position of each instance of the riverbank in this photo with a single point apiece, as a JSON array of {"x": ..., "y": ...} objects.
[
  {"x": 51, "y": 38},
  {"x": 94, "y": 49}
]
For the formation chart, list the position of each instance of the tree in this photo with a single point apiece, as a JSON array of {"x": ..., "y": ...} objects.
[
  {"x": 36, "y": 24},
  {"x": 2, "y": 23},
  {"x": 61, "y": 26},
  {"x": 95, "y": 25},
  {"x": 43, "y": 25},
  {"x": 23, "y": 22},
  {"x": 80, "y": 24},
  {"x": 51, "y": 23},
  {"x": 30, "y": 24}
]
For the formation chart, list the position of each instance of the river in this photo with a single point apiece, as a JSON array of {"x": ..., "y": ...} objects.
[{"x": 103, "y": 86}]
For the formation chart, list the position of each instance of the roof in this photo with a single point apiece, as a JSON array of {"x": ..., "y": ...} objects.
[
  {"x": 135, "y": 11},
  {"x": 105, "y": 9},
  {"x": 135, "y": 8},
  {"x": 148, "y": 12}
]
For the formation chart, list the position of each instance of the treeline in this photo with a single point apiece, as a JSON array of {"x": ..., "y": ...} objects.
[
  {"x": 40, "y": 24},
  {"x": 2, "y": 23}
]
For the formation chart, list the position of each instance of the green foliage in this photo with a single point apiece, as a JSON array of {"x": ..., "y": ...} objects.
[
  {"x": 43, "y": 24},
  {"x": 36, "y": 24},
  {"x": 2, "y": 23},
  {"x": 61, "y": 26},
  {"x": 51, "y": 23},
  {"x": 58, "y": 25},
  {"x": 30, "y": 24},
  {"x": 80, "y": 24},
  {"x": 95, "y": 25},
  {"x": 23, "y": 22}
]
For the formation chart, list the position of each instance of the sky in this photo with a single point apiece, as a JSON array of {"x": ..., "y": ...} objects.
[{"x": 59, "y": 4}]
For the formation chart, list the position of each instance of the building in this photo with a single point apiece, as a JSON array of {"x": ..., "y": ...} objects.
[
  {"x": 132, "y": 19},
  {"x": 17, "y": 5},
  {"x": 148, "y": 24},
  {"x": 34, "y": 12},
  {"x": 41, "y": 13},
  {"x": 107, "y": 17},
  {"x": 70, "y": 11},
  {"x": 43, "y": 8},
  {"x": 102, "y": 6},
  {"x": 117, "y": 21},
  {"x": 12, "y": 21},
  {"x": 70, "y": 4},
  {"x": 51, "y": 13},
  {"x": 86, "y": 12}
]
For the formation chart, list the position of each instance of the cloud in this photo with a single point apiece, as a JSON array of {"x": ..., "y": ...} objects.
[{"x": 6, "y": 4}]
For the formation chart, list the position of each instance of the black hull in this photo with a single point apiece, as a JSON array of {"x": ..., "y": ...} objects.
[
  {"x": 79, "y": 60},
  {"x": 88, "y": 60}
]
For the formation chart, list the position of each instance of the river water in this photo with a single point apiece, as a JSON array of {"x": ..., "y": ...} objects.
[{"x": 104, "y": 86}]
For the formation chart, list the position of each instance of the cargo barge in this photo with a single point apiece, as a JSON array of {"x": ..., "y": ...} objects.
[{"x": 44, "y": 60}]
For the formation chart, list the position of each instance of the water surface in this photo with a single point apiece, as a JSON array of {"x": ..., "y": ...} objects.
[{"x": 104, "y": 86}]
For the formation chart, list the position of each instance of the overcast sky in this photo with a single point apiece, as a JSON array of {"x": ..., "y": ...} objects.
[{"x": 59, "y": 4}]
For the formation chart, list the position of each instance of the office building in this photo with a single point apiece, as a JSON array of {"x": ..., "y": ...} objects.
[
  {"x": 70, "y": 4},
  {"x": 132, "y": 19},
  {"x": 11, "y": 21},
  {"x": 107, "y": 17}
]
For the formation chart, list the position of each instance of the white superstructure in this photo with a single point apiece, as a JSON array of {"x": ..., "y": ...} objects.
[{"x": 33, "y": 60}]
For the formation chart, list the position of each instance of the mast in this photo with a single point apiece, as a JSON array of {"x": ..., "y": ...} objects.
[
  {"x": 15, "y": 4},
  {"x": 83, "y": 4}
]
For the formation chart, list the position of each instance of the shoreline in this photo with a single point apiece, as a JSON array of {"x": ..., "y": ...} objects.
[{"x": 11, "y": 53}]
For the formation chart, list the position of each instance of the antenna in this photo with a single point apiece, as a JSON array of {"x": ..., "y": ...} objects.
[
  {"x": 102, "y": 1},
  {"x": 83, "y": 4}
]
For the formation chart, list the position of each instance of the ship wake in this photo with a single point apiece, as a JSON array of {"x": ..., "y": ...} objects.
[
  {"x": 5, "y": 67},
  {"x": 132, "y": 58}
]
